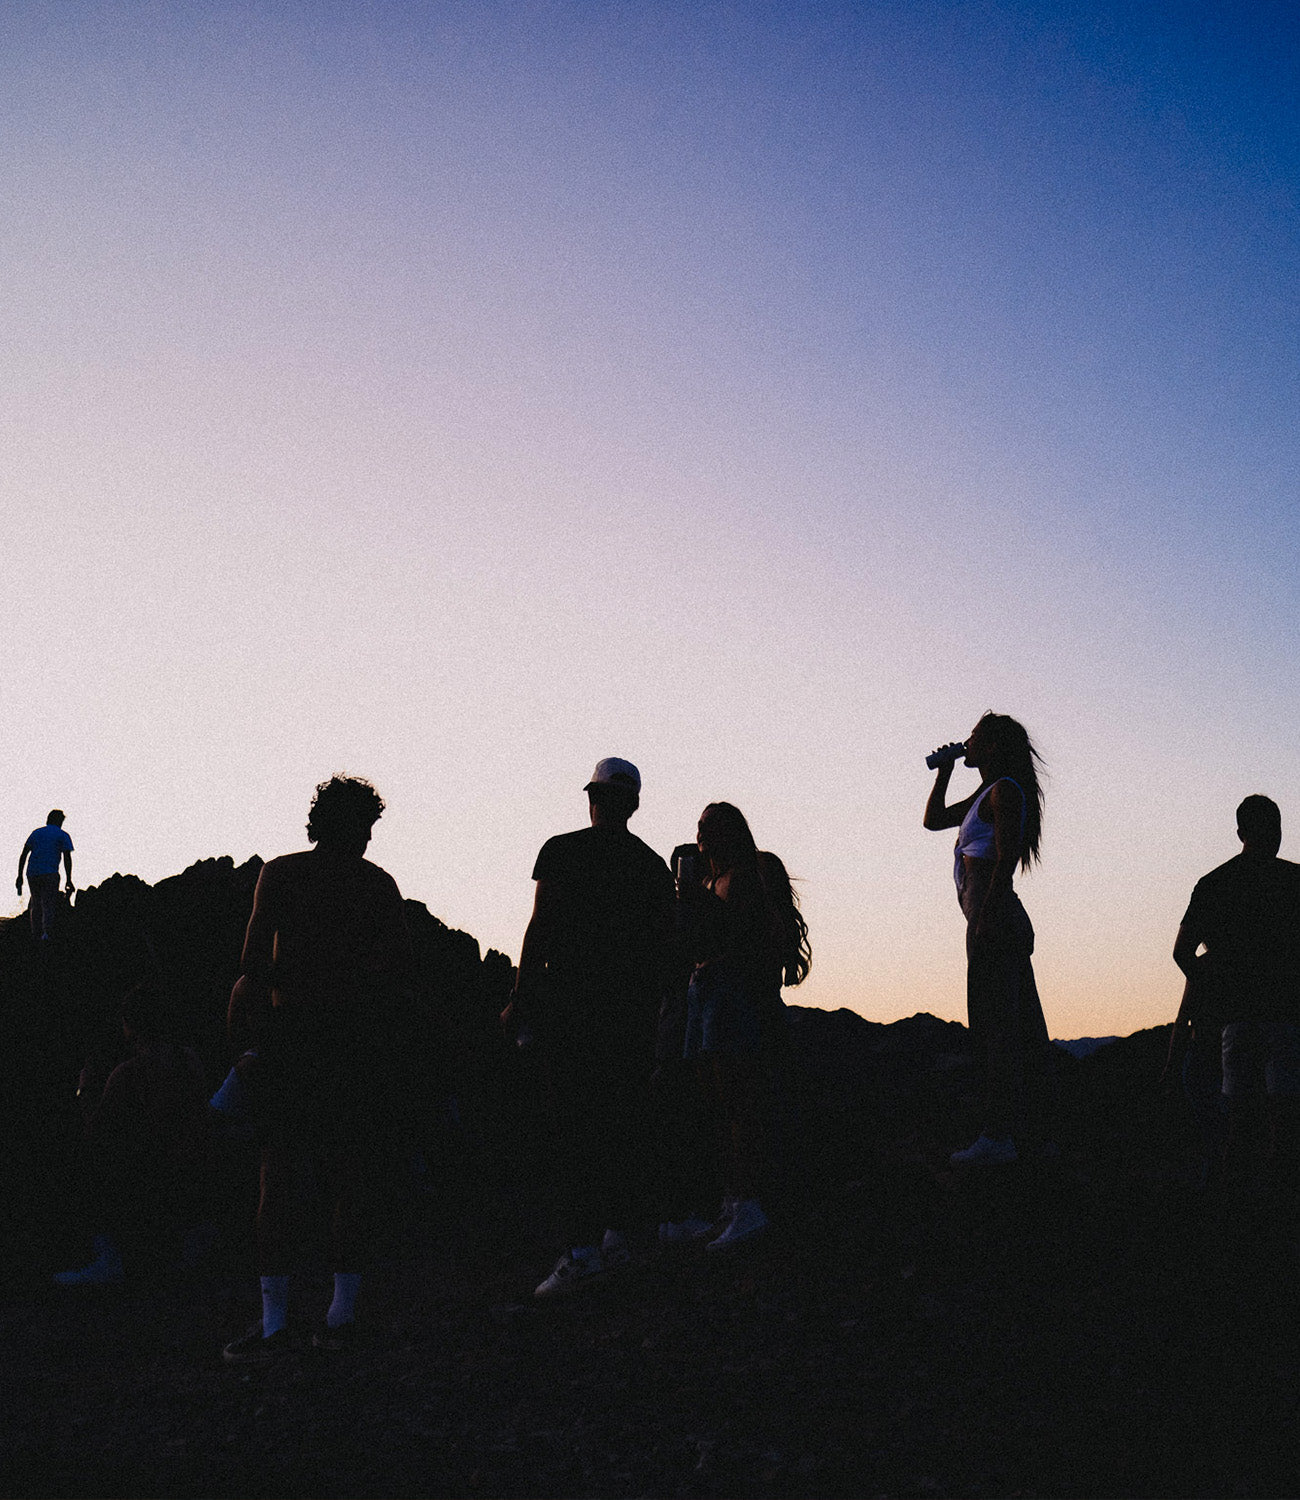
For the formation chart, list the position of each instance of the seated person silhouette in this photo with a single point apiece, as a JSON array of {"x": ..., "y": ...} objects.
[
  {"x": 326, "y": 964},
  {"x": 146, "y": 1141},
  {"x": 1246, "y": 916}
]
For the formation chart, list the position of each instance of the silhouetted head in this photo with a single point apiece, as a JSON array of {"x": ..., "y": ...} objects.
[
  {"x": 1259, "y": 825},
  {"x": 55, "y": 816},
  {"x": 724, "y": 838},
  {"x": 1000, "y": 746},
  {"x": 141, "y": 1010},
  {"x": 343, "y": 811},
  {"x": 614, "y": 791}
]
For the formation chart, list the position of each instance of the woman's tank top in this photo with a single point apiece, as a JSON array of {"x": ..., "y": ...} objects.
[{"x": 978, "y": 838}]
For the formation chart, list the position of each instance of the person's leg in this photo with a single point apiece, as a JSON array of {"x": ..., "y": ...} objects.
[
  {"x": 100, "y": 1202},
  {"x": 1243, "y": 1087},
  {"x": 350, "y": 1225},
  {"x": 353, "y": 1155},
  {"x": 992, "y": 992},
  {"x": 740, "y": 1081},
  {"x": 596, "y": 1177},
  {"x": 1282, "y": 1081},
  {"x": 41, "y": 908},
  {"x": 627, "y": 1185},
  {"x": 682, "y": 1175},
  {"x": 742, "y": 1088},
  {"x": 274, "y": 1230},
  {"x": 1039, "y": 1058},
  {"x": 1203, "y": 1090}
]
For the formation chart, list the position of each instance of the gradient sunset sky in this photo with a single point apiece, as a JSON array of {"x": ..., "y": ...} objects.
[{"x": 455, "y": 394}]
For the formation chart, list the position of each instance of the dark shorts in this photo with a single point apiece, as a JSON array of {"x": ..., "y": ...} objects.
[
  {"x": 317, "y": 1087},
  {"x": 1261, "y": 1057},
  {"x": 723, "y": 1014}
]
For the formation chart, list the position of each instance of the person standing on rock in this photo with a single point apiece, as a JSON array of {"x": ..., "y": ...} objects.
[
  {"x": 1246, "y": 916},
  {"x": 745, "y": 937},
  {"x": 999, "y": 826},
  {"x": 41, "y": 854},
  {"x": 592, "y": 969},
  {"x": 327, "y": 961}
]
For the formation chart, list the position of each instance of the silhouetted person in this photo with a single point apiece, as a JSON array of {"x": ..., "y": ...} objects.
[
  {"x": 41, "y": 854},
  {"x": 746, "y": 938},
  {"x": 999, "y": 826},
  {"x": 591, "y": 972},
  {"x": 326, "y": 961},
  {"x": 146, "y": 1143},
  {"x": 1246, "y": 916}
]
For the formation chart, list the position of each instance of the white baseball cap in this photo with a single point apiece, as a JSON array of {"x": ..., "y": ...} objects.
[{"x": 615, "y": 772}]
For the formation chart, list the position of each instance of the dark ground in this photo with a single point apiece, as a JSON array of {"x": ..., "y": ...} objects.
[{"x": 1086, "y": 1327}]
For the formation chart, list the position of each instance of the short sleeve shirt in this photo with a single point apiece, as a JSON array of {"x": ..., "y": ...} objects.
[
  {"x": 612, "y": 912},
  {"x": 1247, "y": 913},
  {"x": 47, "y": 845}
]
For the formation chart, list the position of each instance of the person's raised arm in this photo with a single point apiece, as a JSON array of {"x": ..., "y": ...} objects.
[
  {"x": 938, "y": 815},
  {"x": 1007, "y": 804}
]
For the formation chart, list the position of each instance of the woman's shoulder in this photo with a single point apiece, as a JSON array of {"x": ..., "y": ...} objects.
[{"x": 1004, "y": 791}]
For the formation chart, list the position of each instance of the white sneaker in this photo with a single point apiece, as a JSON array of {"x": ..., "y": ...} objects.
[
  {"x": 685, "y": 1231},
  {"x": 988, "y": 1151},
  {"x": 747, "y": 1219},
  {"x": 614, "y": 1252},
  {"x": 574, "y": 1268},
  {"x": 104, "y": 1270}
]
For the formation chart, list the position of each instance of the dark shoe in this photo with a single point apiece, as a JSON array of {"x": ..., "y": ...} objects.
[
  {"x": 337, "y": 1340},
  {"x": 252, "y": 1349}
]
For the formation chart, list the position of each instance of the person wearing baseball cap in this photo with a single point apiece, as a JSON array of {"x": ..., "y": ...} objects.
[{"x": 591, "y": 972}]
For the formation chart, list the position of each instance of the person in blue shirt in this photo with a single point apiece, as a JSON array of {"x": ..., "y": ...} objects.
[{"x": 41, "y": 854}]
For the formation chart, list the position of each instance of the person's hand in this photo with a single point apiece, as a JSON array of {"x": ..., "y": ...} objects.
[
  {"x": 69, "y": 888},
  {"x": 944, "y": 757},
  {"x": 18, "y": 885}
]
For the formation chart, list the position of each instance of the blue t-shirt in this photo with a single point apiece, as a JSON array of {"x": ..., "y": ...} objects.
[{"x": 46, "y": 845}]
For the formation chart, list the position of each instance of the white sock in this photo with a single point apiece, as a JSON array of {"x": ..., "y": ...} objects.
[
  {"x": 343, "y": 1308},
  {"x": 275, "y": 1304}
]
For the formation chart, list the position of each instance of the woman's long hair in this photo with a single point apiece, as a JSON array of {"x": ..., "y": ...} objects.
[
  {"x": 1016, "y": 757},
  {"x": 787, "y": 920},
  {"x": 796, "y": 951}
]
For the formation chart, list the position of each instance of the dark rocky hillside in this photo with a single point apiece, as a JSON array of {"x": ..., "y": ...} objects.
[{"x": 1084, "y": 1325}]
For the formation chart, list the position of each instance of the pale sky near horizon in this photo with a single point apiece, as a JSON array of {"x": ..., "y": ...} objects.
[{"x": 455, "y": 394}]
